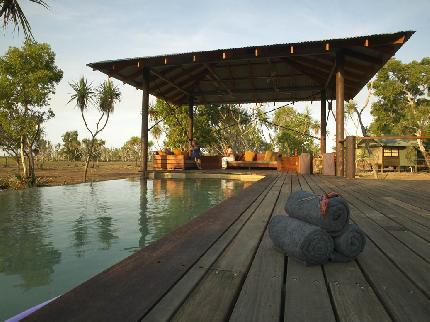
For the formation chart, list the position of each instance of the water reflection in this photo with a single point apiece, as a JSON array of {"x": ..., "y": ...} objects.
[{"x": 23, "y": 249}]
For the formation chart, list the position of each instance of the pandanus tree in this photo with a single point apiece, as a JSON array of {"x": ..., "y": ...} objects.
[
  {"x": 103, "y": 98},
  {"x": 11, "y": 12}
]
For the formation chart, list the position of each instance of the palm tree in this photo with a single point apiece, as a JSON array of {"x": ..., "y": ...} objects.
[
  {"x": 11, "y": 12},
  {"x": 107, "y": 95}
]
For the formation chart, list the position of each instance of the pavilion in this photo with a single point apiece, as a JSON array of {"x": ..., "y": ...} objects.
[{"x": 333, "y": 69}]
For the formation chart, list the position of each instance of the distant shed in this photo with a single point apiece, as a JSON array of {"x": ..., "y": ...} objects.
[{"x": 398, "y": 154}]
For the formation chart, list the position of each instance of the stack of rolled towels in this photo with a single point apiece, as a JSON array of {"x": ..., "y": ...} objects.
[{"x": 317, "y": 229}]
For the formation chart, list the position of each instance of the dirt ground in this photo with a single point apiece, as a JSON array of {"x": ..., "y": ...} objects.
[{"x": 64, "y": 172}]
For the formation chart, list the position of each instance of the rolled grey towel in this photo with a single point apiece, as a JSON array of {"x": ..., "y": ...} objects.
[
  {"x": 349, "y": 244},
  {"x": 301, "y": 240},
  {"x": 305, "y": 206}
]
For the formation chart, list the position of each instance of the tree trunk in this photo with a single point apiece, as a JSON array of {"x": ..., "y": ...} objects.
[
  {"x": 87, "y": 162},
  {"x": 373, "y": 164},
  {"x": 17, "y": 160},
  {"x": 423, "y": 150},
  {"x": 31, "y": 170},
  {"x": 24, "y": 166}
]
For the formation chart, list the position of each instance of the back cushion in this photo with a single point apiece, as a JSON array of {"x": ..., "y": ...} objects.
[{"x": 249, "y": 156}]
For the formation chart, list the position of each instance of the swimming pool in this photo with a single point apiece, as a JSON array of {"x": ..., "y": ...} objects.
[{"x": 54, "y": 238}]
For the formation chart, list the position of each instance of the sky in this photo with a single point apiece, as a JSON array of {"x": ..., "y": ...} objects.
[{"x": 83, "y": 31}]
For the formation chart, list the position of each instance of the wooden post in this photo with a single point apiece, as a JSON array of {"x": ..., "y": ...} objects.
[
  {"x": 340, "y": 113},
  {"x": 350, "y": 157},
  {"x": 144, "y": 129},
  {"x": 323, "y": 143},
  {"x": 190, "y": 119}
]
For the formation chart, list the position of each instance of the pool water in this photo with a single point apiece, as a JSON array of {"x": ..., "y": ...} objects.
[{"x": 54, "y": 238}]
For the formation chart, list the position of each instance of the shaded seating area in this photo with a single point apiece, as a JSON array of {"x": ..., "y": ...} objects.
[{"x": 324, "y": 70}]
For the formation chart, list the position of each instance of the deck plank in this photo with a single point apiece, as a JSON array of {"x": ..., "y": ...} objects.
[
  {"x": 403, "y": 216},
  {"x": 213, "y": 298},
  {"x": 261, "y": 293},
  {"x": 406, "y": 191},
  {"x": 410, "y": 263},
  {"x": 403, "y": 299},
  {"x": 414, "y": 208},
  {"x": 354, "y": 298},
  {"x": 306, "y": 294},
  {"x": 169, "y": 304},
  {"x": 394, "y": 227}
]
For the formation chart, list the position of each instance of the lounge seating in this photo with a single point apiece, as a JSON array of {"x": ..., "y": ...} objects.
[
  {"x": 255, "y": 160},
  {"x": 172, "y": 162},
  {"x": 181, "y": 162}
]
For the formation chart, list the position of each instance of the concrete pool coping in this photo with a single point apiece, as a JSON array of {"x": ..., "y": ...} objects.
[{"x": 211, "y": 174}]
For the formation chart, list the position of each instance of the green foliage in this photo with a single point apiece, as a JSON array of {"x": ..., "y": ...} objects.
[
  {"x": 83, "y": 93},
  {"x": 131, "y": 150},
  {"x": 403, "y": 102},
  {"x": 11, "y": 12},
  {"x": 28, "y": 76},
  {"x": 93, "y": 148},
  {"x": 215, "y": 127},
  {"x": 295, "y": 130},
  {"x": 106, "y": 96},
  {"x": 71, "y": 149}
]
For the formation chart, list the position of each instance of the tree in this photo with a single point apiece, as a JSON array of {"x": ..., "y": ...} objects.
[
  {"x": 71, "y": 146},
  {"x": 215, "y": 127},
  {"x": 28, "y": 76},
  {"x": 93, "y": 149},
  {"x": 105, "y": 97},
  {"x": 403, "y": 101},
  {"x": 294, "y": 130},
  {"x": 131, "y": 150},
  {"x": 352, "y": 110},
  {"x": 11, "y": 12},
  {"x": 43, "y": 151}
]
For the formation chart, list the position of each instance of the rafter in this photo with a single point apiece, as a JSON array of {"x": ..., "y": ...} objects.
[{"x": 218, "y": 79}]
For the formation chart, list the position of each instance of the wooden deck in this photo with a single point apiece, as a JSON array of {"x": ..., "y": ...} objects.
[{"x": 222, "y": 265}]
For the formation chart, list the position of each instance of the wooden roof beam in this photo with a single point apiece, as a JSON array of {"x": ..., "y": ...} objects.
[
  {"x": 283, "y": 90},
  {"x": 218, "y": 79},
  {"x": 160, "y": 76},
  {"x": 306, "y": 71},
  {"x": 274, "y": 72},
  {"x": 187, "y": 76},
  {"x": 363, "y": 57}
]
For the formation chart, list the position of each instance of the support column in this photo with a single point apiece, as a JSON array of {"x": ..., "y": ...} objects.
[
  {"x": 144, "y": 130},
  {"x": 340, "y": 113},
  {"x": 350, "y": 157},
  {"x": 323, "y": 142},
  {"x": 190, "y": 119}
]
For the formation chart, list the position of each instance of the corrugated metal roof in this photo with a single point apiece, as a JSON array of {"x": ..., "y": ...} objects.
[
  {"x": 409, "y": 32},
  {"x": 268, "y": 73},
  {"x": 391, "y": 143}
]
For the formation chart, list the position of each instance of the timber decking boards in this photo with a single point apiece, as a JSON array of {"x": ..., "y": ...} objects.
[{"x": 232, "y": 272}]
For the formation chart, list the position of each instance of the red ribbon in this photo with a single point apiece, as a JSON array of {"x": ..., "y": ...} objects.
[{"x": 324, "y": 202}]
